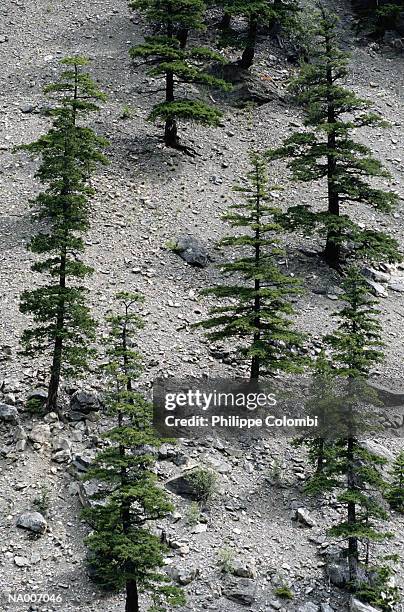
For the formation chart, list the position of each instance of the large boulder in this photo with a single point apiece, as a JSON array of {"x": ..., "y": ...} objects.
[
  {"x": 192, "y": 251},
  {"x": 8, "y": 414},
  {"x": 40, "y": 434},
  {"x": 240, "y": 590},
  {"x": 83, "y": 403},
  {"x": 247, "y": 86},
  {"x": 32, "y": 521}
]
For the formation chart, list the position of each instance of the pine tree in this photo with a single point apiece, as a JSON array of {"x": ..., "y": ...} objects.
[
  {"x": 124, "y": 552},
  {"x": 356, "y": 348},
  {"x": 379, "y": 16},
  {"x": 327, "y": 151},
  {"x": 69, "y": 152},
  {"x": 178, "y": 65},
  {"x": 324, "y": 402},
  {"x": 258, "y": 13},
  {"x": 395, "y": 492},
  {"x": 256, "y": 310}
]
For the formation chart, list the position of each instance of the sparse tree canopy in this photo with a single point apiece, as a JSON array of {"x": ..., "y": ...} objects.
[
  {"x": 69, "y": 153},
  {"x": 326, "y": 151}
]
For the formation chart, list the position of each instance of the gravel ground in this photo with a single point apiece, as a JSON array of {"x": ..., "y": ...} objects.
[{"x": 146, "y": 197}]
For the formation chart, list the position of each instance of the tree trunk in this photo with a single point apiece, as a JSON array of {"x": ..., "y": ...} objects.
[
  {"x": 353, "y": 541},
  {"x": 170, "y": 131},
  {"x": 54, "y": 382},
  {"x": 225, "y": 21},
  {"x": 332, "y": 251},
  {"x": 132, "y": 597},
  {"x": 183, "y": 37},
  {"x": 320, "y": 457},
  {"x": 256, "y": 362},
  {"x": 247, "y": 58}
]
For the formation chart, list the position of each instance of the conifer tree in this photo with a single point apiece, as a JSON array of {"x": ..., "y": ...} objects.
[
  {"x": 69, "y": 153},
  {"x": 177, "y": 65},
  {"x": 356, "y": 348},
  {"x": 324, "y": 402},
  {"x": 395, "y": 491},
  {"x": 326, "y": 151},
  {"x": 258, "y": 13},
  {"x": 257, "y": 307},
  {"x": 124, "y": 552}
]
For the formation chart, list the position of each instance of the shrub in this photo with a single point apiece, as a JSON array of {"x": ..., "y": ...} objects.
[
  {"x": 193, "y": 514},
  {"x": 202, "y": 484},
  {"x": 225, "y": 559},
  {"x": 284, "y": 592},
  {"x": 41, "y": 503}
]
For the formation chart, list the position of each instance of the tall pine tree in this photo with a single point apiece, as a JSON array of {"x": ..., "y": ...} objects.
[
  {"x": 124, "y": 552},
  {"x": 257, "y": 306},
  {"x": 356, "y": 348},
  {"x": 70, "y": 153},
  {"x": 177, "y": 65},
  {"x": 326, "y": 151}
]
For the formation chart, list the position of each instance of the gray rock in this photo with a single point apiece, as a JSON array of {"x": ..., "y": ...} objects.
[
  {"x": 40, "y": 434},
  {"x": 86, "y": 489},
  {"x": 33, "y": 521},
  {"x": 21, "y": 445},
  {"x": 8, "y": 414},
  {"x": 376, "y": 288},
  {"x": 308, "y": 607},
  {"x": 26, "y": 109},
  {"x": 240, "y": 590},
  {"x": 61, "y": 443},
  {"x": 21, "y": 561},
  {"x": 244, "y": 569},
  {"x": 61, "y": 456},
  {"x": 397, "y": 286},
  {"x": 84, "y": 402},
  {"x": 325, "y": 607},
  {"x": 302, "y": 516},
  {"x": 376, "y": 275},
  {"x": 192, "y": 251},
  {"x": 183, "y": 576},
  {"x": 82, "y": 462},
  {"x": 200, "y": 528},
  {"x": 358, "y": 606}
]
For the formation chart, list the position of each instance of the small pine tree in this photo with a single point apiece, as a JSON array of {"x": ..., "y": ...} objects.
[
  {"x": 124, "y": 553},
  {"x": 176, "y": 64},
  {"x": 395, "y": 491},
  {"x": 326, "y": 151},
  {"x": 258, "y": 13},
  {"x": 69, "y": 154},
  {"x": 257, "y": 309},
  {"x": 356, "y": 345},
  {"x": 323, "y": 402}
]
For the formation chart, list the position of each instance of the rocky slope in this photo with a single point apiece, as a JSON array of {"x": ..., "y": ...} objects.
[{"x": 147, "y": 197}]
